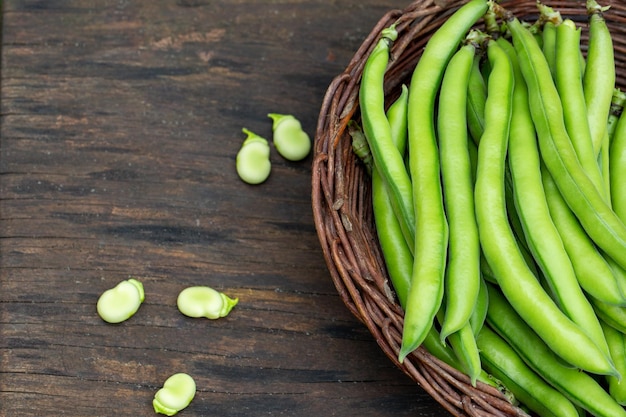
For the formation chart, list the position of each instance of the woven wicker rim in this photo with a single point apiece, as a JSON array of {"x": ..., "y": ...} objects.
[{"x": 341, "y": 195}]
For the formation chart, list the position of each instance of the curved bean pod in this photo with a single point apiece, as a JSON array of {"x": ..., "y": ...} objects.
[
  {"x": 594, "y": 273},
  {"x": 398, "y": 257},
  {"x": 579, "y": 387},
  {"x": 397, "y": 116},
  {"x": 617, "y": 168},
  {"x": 604, "y": 161},
  {"x": 431, "y": 237},
  {"x": 463, "y": 344},
  {"x": 462, "y": 276},
  {"x": 558, "y": 154},
  {"x": 520, "y": 285},
  {"x": 617, "y": 344},
  {"x": 613, "y": 315},
  {"x": 387, "y": 158},
  {"x": 541, "y": 234},
  {"x": 599, "y": 78},
  {"x": 569, "y": 84},
  {"x": 432, "y": 343},
  {"x": 548, "y": 44},
  {"x": 396, "y": 252},
  {"x": 476, "y": 97},
  {"x": 514, "y": 217},
  {"x": 549, "y": 20},
  {"x": 477, "y": 319},
  {"x": 501, "y": 360}
]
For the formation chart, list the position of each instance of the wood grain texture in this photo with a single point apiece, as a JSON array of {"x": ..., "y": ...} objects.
[{"x": 120, "y": 122}]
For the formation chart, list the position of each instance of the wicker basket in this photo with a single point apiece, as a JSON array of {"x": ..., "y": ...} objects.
[{"x": 341, "y": 195}]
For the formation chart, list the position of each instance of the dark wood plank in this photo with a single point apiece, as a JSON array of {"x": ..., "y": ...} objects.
[{"x": 120, "y": 124}]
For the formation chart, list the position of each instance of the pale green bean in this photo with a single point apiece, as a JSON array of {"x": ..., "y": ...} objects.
[
  {"x": 201, "y": 301},
  {"x": 253, "y": 159},
  {"x": 290, "y": 140},
  {"x": 177, "y": 392},
  {"x": 121, "y": 302}
]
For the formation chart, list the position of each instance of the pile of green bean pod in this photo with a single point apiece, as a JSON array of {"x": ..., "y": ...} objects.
[{"x": 499, "y": 199}]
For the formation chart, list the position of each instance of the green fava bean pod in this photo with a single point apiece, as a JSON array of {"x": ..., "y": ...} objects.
[
  {"x": 397, "y": 117},
  {"x": 396, "y": 251},
  {"x": 431, "y": 227},
  {"x": 548, "y": 44},
  {"x": 501, "y": 360},
  {"x": 569, "y": 84},
  {"x": 201, "y": 301},
  {"x": 617, "y": 344},
  {"x": 557, "y": 151},
  {"x": 603, "y": 162},
  {"x": 387, "y": 158},
  {"x": 290, "y": 140},
  {"x": 462, "y": 276},
  {"x": 121, "y": 302},
  {"x": 476, "y": 97},
  {"x": 617, "y": 168},
  {"x": 549, "y": 20},
  {"x": 599, "y": 78},
  {"x": 500, "y": 248},
  {"x": 477, "y": 319},
  {"x": 539, "y": 230},
  {"x": 579, "y": 387},
  {"x": 593, "y": 272},
  {"x": 619, "y": 273},
  {"x": 253, "y": 159},
  {"x": 432, "y": 343},
  {"x": 613, "y": 315},
  {"x": 177, "y": 392},
  {"x": 399, "y": 259},
  {"x": 463, "y": 343}
]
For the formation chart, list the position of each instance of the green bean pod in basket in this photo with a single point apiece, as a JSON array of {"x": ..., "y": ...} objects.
[{"x": 468, "y": 187}]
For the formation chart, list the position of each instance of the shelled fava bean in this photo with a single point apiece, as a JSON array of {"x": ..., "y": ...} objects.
[
  {"x": 253, "y": 162},
  {"x": 290, "y": 140},
  {"x": 177, "y": 392},
  {"x": 253, "y": 159},
  {"x": 517, "y": 176},
  {"x": 202, "y": 301},
  {"x": 121, "y": 302}
]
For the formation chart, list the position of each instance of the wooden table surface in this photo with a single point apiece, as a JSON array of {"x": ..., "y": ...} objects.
[{"x": 120, "y": 123}]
